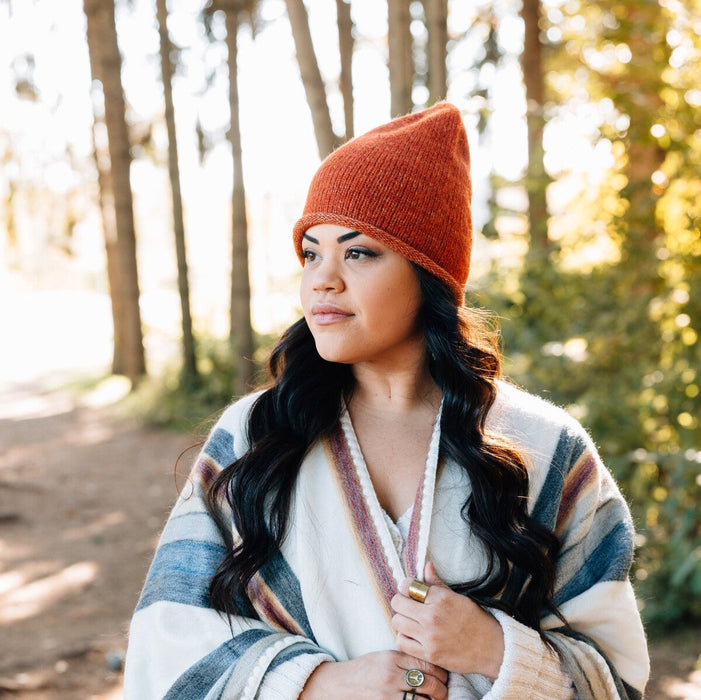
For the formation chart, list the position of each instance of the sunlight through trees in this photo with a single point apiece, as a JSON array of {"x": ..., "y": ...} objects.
[{"x": 585, "y": 128}]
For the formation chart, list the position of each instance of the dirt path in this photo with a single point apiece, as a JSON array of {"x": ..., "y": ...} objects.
[{"x": 82, "y": 500}]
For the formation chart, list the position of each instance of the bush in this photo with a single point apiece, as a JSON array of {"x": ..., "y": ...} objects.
[{"x": 622, "y": 365}]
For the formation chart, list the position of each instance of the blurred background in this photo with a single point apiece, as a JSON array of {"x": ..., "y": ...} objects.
[{"x": 153, "y": 158}]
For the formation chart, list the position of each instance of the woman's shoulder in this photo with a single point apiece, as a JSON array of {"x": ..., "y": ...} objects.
[
  {"x": 534, "y": 422},
  {"x": 514, "y": 403},
  {"x": 228, "y": 438},
  {"x": 236, "y": 413},
  {"x": 556, "y": 446}
]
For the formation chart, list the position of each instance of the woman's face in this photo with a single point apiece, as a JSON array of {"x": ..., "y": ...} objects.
[{"x": 360, "y": 298}]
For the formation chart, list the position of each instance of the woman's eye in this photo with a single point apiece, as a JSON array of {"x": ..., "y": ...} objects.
[
  {"x": 308, "y": 255},
  {"x": 359, "y": 253}
]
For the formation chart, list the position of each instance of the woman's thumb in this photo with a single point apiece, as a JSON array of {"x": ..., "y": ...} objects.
[{"x": 430, "y": 575}]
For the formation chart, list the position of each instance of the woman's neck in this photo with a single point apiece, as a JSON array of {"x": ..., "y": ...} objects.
[{"x": 399, "y": 390}]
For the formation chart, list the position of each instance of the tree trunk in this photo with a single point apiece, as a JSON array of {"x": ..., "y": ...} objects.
[
  {"x": 536, "y": 178},
  {"x": 240, "y": 330},
  {"x": 401, "y": 60},
  {"x": 106, "y": 65},
  {"x": 637, "y": 92},
  {"x": 9, "y": 207},
  {"x": 437, "y": 23},
  {"x": 311, "y": 77},
  {"x": 109, "y": 225},
  {"x": 105, "y": 197},
  {"x": 190, "y": 375},
  {"x": 345, "y": 47}
]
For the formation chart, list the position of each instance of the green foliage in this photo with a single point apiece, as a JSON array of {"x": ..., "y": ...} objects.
[
  {"x": 582, "y": 341},
  {"x": 168, "y": 401},
  {"x": 616, "y": 341},
  {"x": 606, "y": 321}
]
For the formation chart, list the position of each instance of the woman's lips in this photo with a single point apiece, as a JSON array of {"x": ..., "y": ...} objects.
[{"x": 325, "y": 314}]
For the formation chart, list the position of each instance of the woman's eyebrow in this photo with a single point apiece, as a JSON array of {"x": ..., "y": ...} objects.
[{"x": 341, "y": 239}]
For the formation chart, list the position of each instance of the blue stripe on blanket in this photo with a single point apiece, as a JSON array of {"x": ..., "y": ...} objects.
[
  {"x": 545, "y": 511},
  {"x": 180, "y": 573},
  {"x": 283, "y": 582},
  {"x": 579, "y": 677},
  {"x": 609, "y": 561},
  {"x": 195, "y": 525},
  {"x": 569, "y": 447},
  {"x": 220, "y": 447},
  {"x": 200, "y": 678}
]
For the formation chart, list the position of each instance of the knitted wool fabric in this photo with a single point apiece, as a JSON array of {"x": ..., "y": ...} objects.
[{"x": 406, "y": 184}]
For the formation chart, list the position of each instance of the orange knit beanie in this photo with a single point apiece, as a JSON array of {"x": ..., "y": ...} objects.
[{"x": 406, "y": 184}]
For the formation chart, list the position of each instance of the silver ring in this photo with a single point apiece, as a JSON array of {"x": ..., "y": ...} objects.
[{"x": 414, "y": 678}]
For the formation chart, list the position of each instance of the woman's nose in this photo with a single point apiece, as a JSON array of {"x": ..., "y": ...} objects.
[{"x": 327, "y": 277}]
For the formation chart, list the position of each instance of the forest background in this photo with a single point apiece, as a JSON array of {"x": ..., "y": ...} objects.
[{"x": 154, "y": 158}]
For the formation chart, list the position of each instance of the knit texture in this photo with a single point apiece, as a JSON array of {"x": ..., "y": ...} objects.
[{"x": 407, "y": 184}]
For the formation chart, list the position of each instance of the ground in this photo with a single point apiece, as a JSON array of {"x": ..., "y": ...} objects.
[{"x": 83, "y": 496}]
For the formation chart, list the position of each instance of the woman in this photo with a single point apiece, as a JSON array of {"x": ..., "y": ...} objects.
[{"x": 389, "y": 519}]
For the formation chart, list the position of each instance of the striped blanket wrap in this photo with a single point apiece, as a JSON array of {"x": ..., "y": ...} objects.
[{"x": 325, "y": 596}]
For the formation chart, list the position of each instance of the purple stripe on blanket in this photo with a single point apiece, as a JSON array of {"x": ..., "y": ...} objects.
[
  {"x": 361, "y": 517},
  {"x": 412, "y": 538},
  {"x": 582, "y": 476},
  {"x": 269, "y": 607}
]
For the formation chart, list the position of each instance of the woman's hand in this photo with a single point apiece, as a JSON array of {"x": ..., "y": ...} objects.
[
  {"x": 447, "y": 629},
  {"x": 376, "y": 676}
]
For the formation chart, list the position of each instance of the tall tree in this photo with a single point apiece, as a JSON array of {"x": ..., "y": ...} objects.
[
  {"x": 436, "y": 12},
  {"x": 8, "y": 203},
  {"x": 536, "y": 177},
  {"x": 240, "y": 328},
  {"x": 106, "y": 64},
  {"x": 643, "y": 324},
  {"x": 22, "y": 68},
  {"x": 106, "y": 200},
  {"x": 345, "y": 49},
  {"x": 617, "y": 340},
  {"x": 313, "y": 83},
  {"x": 190, "y": 375},
  {"x": 401, "y": 58}
]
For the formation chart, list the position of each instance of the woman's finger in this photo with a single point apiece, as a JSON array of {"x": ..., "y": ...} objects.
[
  {"x": 410, "y": 646},
  {"x": 406, "y": 606},
  {"x": 430, "y": 685},
  {"x": 406, "y": 626},
  {"x": 409, "y": 661}
]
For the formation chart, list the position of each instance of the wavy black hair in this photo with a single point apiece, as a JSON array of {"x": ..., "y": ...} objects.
[{"x": 303, "y": 404}]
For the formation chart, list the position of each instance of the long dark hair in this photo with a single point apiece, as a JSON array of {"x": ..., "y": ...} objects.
[{"x": 304, "y": 403}]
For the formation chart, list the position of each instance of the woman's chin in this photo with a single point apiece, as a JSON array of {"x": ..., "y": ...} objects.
[
  {"x": 334, "y": 354},
  {"x": 339, "y": 358}
]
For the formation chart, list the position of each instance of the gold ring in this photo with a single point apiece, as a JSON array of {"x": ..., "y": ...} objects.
[{"x": 418, "y": 591}]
